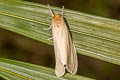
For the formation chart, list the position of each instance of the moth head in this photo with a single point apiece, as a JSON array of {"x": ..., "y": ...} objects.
[{"x": 56, "y": 15}]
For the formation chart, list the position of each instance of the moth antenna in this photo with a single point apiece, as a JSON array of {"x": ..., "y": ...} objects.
[
  {"x": 62, "y": 11},
  {"x": 51, "y": 10}
]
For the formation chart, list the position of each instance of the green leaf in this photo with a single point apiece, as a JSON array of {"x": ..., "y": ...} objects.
[
  {"x": 94, "y": 36},
  {"x": 16, "y": 70}
]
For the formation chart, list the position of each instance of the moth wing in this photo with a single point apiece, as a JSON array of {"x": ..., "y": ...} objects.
[
  {"x": 70, "y": 50},
  {"x": 60, "y": 68},
  {"x": 72, "y": 64}
]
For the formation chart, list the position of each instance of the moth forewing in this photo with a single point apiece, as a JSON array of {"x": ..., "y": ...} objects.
[
  {"x": 65, "y": 52},
  {"x": 72, "y": 60}
]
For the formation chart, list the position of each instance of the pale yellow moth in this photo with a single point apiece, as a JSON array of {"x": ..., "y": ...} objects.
[{"x": 65, "y": 51}]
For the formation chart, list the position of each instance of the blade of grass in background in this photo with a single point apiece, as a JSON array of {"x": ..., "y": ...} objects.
[{"x": 16, "y": 70}]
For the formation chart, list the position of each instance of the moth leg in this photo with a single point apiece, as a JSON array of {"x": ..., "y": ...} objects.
[
  {"x": 50, "y": 38},
  {"x": 48, "y": 28}
]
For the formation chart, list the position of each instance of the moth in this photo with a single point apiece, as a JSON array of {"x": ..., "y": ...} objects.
[{"x": 65, "y": 51}]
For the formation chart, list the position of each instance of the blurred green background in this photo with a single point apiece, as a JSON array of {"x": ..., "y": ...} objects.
[{"x": 17, "y": 47}]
